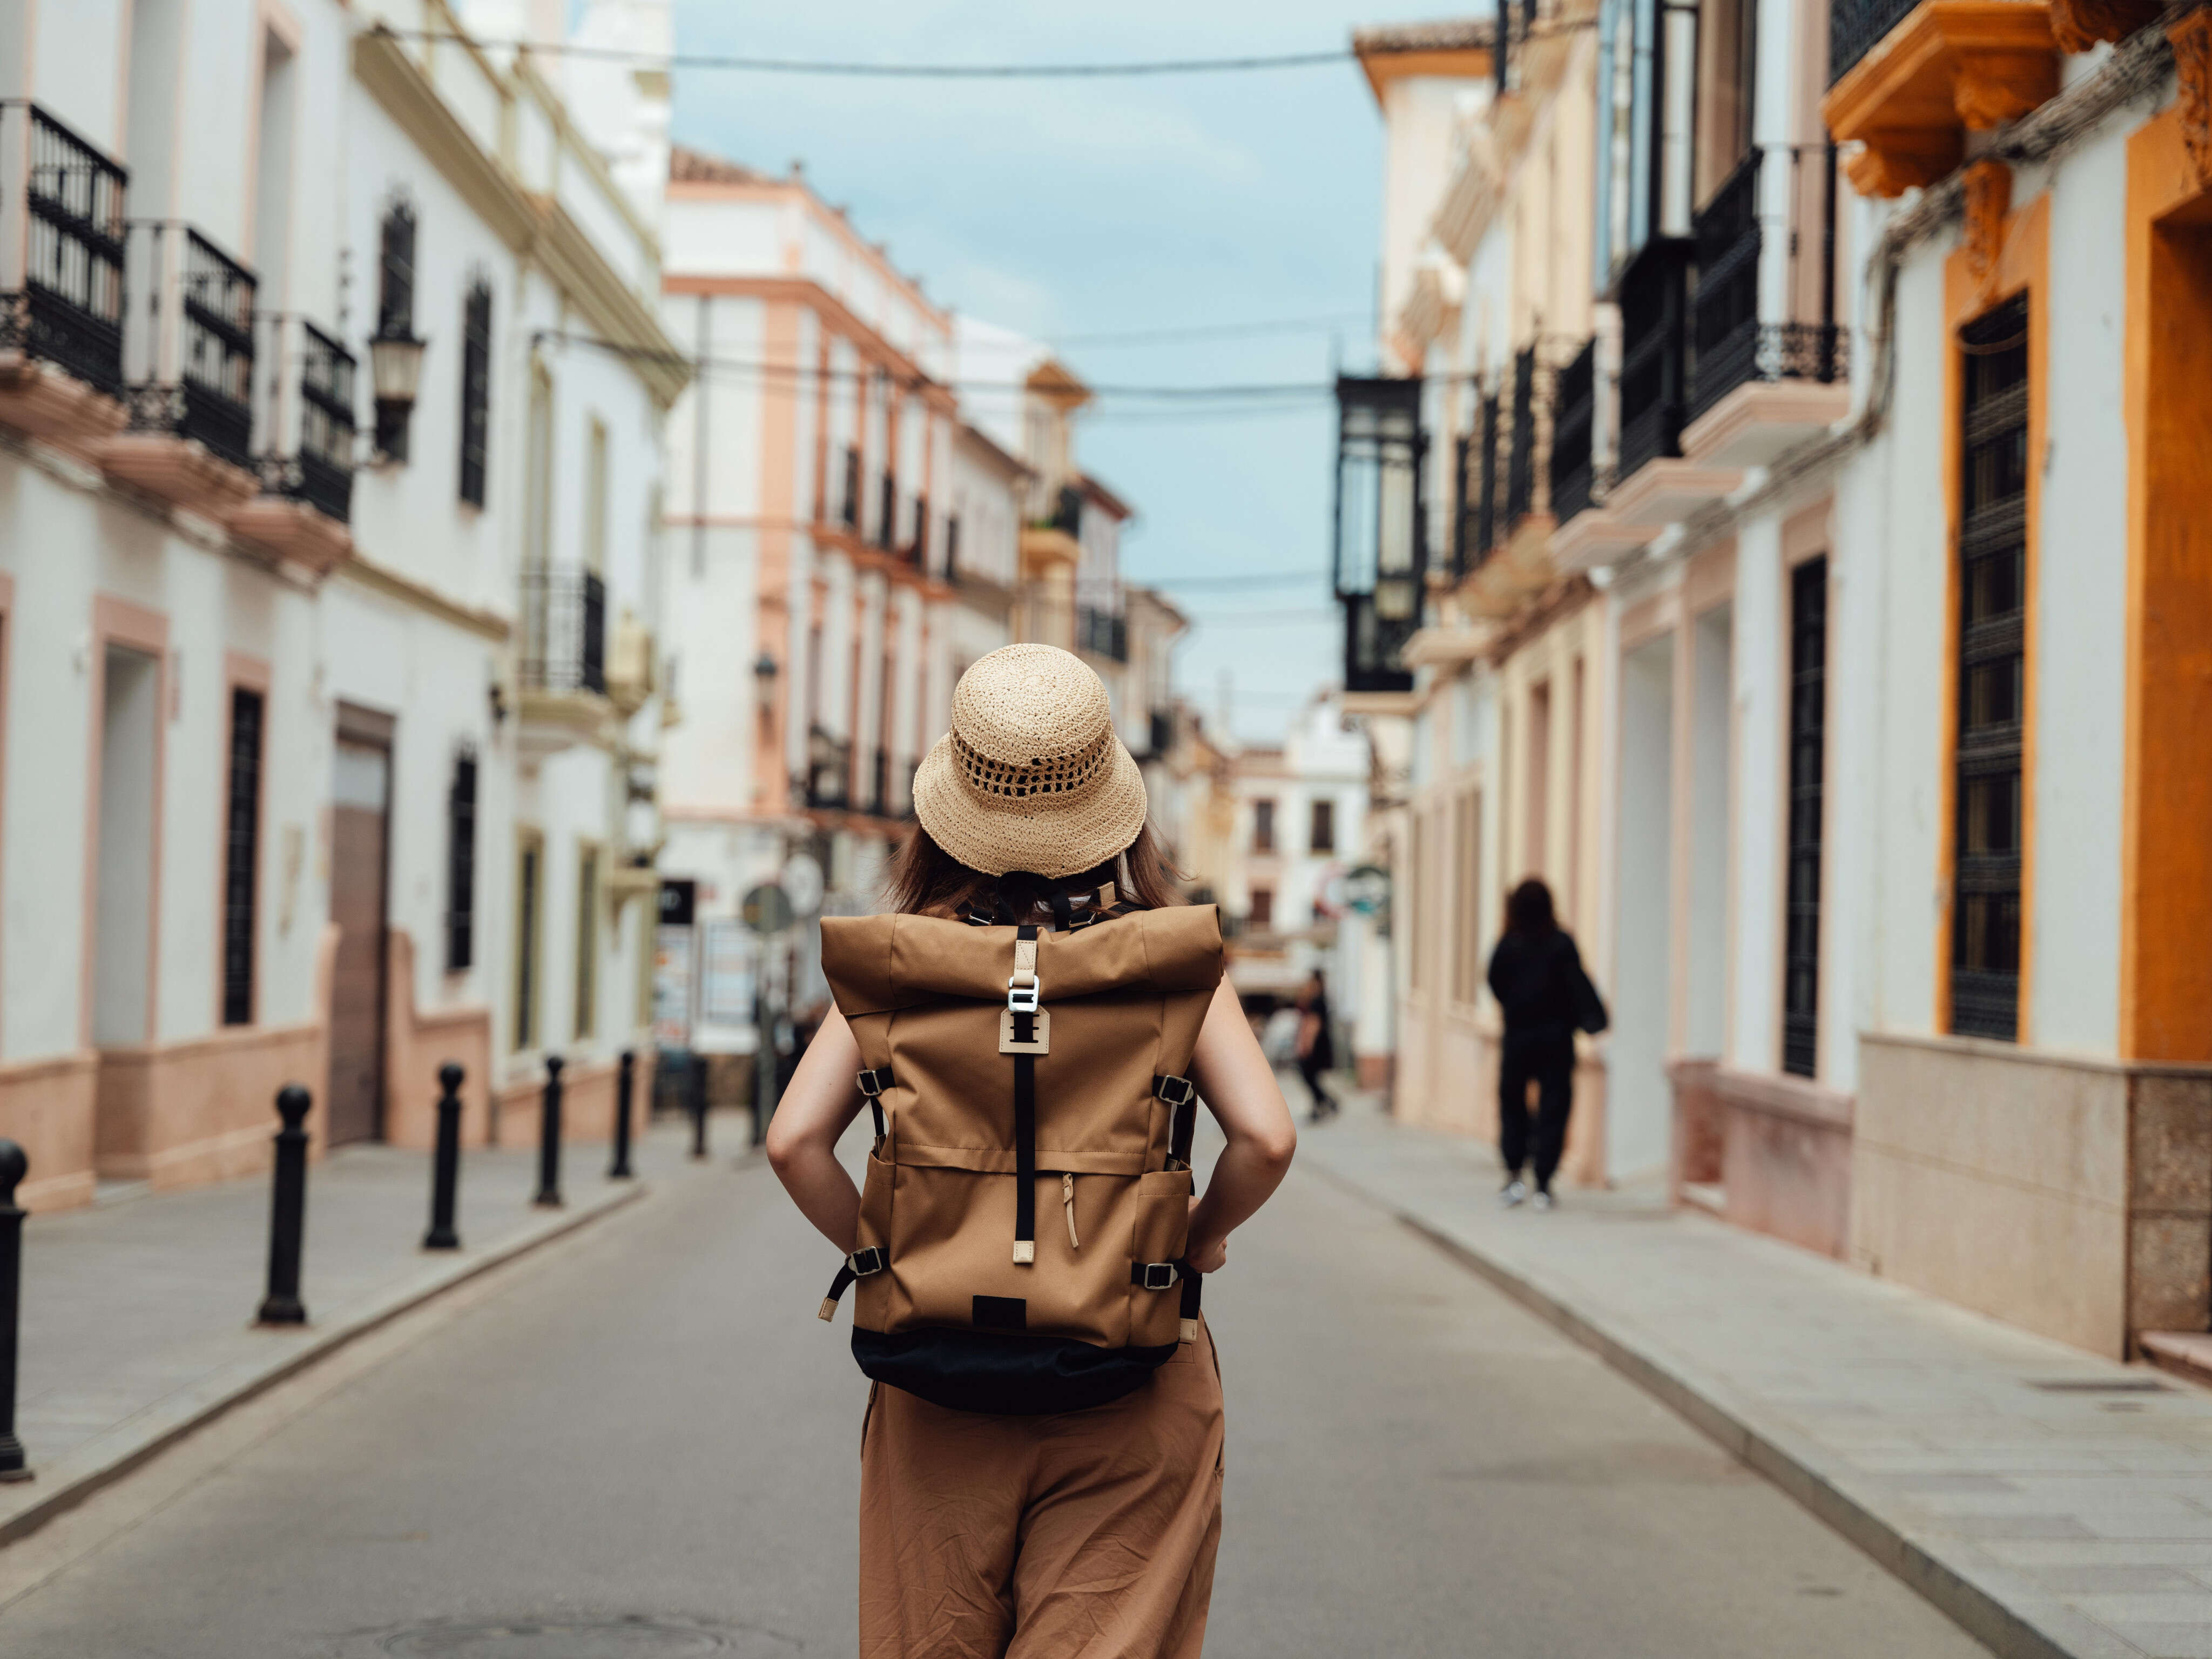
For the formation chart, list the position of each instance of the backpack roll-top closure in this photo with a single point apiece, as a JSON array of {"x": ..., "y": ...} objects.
[{"x": 1024, "y": 1273}]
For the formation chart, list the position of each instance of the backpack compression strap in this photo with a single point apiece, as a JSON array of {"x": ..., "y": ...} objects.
[
  {"x": 1180, "y": 1093},
  {"x": 873, "y": 1084},
  {"x": 859, "y": 1265}
]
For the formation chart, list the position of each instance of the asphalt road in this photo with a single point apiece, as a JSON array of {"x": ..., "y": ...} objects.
[{"x": 642, "y": 1443}]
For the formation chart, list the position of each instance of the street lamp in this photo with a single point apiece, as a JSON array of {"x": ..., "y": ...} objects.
[
  {"x": 765, "y": 670},
  {"x": 395, "y": 366}
]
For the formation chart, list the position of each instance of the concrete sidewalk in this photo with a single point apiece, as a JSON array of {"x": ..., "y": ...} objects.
[
  {"x": 2050, "y": 1501},
  {"x": 137, "y": 1316}
]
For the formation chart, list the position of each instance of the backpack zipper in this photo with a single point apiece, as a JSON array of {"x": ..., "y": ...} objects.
[{"x": 1067, "y": 1202}]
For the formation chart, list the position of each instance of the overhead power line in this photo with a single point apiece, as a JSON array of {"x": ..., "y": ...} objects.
[{"x": 1063, "y": 71}]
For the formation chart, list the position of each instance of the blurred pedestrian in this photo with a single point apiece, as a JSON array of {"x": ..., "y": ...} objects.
[
  {"x": 1536, "y": 974},
  {"x": 1316, "y": 1045}
]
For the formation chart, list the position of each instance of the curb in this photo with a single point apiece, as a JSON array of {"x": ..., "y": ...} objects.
[
  {"x": 63, "y": 1484},
  {"x": 1922, "y": 1563}
]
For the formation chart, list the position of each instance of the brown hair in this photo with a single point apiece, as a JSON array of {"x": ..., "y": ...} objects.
[{"x": 926, "y": 880}]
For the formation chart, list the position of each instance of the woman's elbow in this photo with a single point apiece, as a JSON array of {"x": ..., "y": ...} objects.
[
  {"x": 1276, "y": 1145},
  {"x": 783, "y": 1145}
]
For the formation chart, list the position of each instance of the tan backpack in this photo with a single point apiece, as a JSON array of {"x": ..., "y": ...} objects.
[{"x": 1022, "y": 1223}]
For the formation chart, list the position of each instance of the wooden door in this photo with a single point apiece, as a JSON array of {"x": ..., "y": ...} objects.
[{"x": 359, "y": 821}]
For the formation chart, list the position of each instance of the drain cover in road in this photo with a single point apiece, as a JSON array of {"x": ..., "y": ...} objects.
[{"x": 581, "y": 1639}]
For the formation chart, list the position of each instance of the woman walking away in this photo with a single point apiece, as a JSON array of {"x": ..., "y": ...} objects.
[
  {"x": 1536, "y": 974},
  {"x": 1317, "y": 1047},
  {"x": 1031, "y": 1031}
]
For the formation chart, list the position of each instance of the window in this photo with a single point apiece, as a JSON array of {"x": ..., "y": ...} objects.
[
  {"x": 587, "y": 943},
  {"x": 1992, "y": 582},
  {"x": 461, "y": 866},
  {"x": 1468, "y": 899},
  {"x": 1263, "y": 826},
  {"x": 1809, "y": 697},
  {"x": 529, "y": 891},
  {"x": 1417, "y": 941},
  {"x": 1261, "y": 916},
  {"x": 1321, "y": 827},
  {"x": 850, "y": 509},
  {"x": 595, "y": 500},
  {"x": 475, "y": 393},
  {"x": 1538, "y": 784},
  {"x": 242, "y": 855},
  {"x": 1463, "y": 880},
  {"x": 952, "y": 543},
  {"x": 395, "y": 317}
]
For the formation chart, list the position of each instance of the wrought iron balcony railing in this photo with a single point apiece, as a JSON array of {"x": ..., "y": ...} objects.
[
  {"x": 188, "y": 347},
  {"x": 60, "y": 248},
  {"x": 917, "y": 550},
  {"x": 1528, "y": 462},
  {"x": 305, "y": 428},
  {"x": 564, "y": 630},
  {"x": 1856, "y": 27},
  {"x": 1485, "y": 485},
  {"x": 1574, "y": 424},
  {"x": 849, "y": 505},
  {"x": 829, "y": 782},
  {"x": 1734, "y": 340},
  {"x": 1653, "y": 299},
  {"x": 1102, "y": 632},
  {"x": 887, "y": 513}
]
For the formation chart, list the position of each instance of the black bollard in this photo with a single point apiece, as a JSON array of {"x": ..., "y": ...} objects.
[
  {"x": 446, "y": 1171},
  {"x": 625, "y": 1079},
  {"x": 288, "y": 1210},
  {"x": 549, "y": 1139},
  {"x": 13, "y": 1166},
  {"x": 698, "y": 1105}
]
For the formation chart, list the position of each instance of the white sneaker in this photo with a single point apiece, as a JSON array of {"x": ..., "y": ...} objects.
[
  {"x": 1546, "y": 1201},
  {"x": 1513, "y": 1192}
]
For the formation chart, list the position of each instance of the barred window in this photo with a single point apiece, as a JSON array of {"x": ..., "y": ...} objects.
[
  {"x": 1992, "y": 577},
  {"x": 242, "y": 855},
  {"x": 475, "y": 393},
  {"x": 461, "y": 866}
]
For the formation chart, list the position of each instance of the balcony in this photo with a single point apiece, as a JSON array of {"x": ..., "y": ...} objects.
[
  {"x": 1101, "y": 633},
  {"x": 1655, "y": 486},
  {"x": 1574, "y": 424},
  {"x": 1769, "y": 368},
  {"x": 188, "y": 363},
  {"x": 305, "y": 442},
  {"x": 827, "y": 784},
  {"x": 1909, "y": 81},
  {"x": 61, "y": 280},
  {"x": 849, "y": 511},
  {"x": 562, "y": 672}
]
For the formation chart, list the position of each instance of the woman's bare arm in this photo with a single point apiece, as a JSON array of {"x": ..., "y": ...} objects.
[
  {"x": 1239, "y": 1088},
  {"x": 802, "y": 1136}
]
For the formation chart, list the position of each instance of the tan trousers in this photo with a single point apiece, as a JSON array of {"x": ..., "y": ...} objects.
[{"x": 1089, "y": 1535}]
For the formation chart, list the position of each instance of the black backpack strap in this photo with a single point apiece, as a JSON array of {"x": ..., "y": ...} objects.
[
  {"x": 1180, "y": 1093},
  {"x": 859, "y": 1265},
  {"x": 873, "y": 1084},
  {"x": 1024, "y": 1024},
  {"x": 1191, "y": 1282},
  {"x": 1165, "y": 1276}
]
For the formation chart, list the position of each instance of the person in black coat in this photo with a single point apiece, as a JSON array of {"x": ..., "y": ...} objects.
[
  {"x": 1316, "y": 1045},
  {"x": 1536, "y": 974}
]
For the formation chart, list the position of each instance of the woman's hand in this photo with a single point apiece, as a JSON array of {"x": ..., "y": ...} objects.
[{"x": 1204, "y": 1255}]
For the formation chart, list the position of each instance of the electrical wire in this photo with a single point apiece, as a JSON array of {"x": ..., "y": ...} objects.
[{"x": 716, "y": 60}]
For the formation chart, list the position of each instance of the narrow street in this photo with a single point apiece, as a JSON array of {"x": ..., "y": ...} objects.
[{"x": 641, "y": 1442}]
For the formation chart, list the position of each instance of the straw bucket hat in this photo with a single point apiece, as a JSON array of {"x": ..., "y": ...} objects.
[{"x": 1032, "y": 775}]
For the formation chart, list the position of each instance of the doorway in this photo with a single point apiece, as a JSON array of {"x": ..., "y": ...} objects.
[
  {"x": 129, "y": 762},
  {"x": 361, "y": 822}
]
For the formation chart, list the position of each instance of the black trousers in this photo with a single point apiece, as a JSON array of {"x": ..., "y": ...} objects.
[
  {"x": 1550, "y": 1066},
  {"x": 1310, "y": 1069}
]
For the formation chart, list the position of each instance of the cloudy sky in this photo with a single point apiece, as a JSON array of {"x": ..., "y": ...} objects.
[{"x": 1077, "y": 209}]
